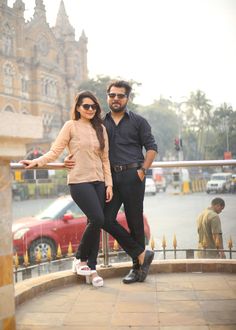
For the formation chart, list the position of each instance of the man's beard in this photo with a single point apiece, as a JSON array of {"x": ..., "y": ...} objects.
[{"x": 120, "y": 109}]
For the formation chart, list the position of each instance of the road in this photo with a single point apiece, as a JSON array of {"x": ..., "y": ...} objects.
[{"x": 168, "y": 214}]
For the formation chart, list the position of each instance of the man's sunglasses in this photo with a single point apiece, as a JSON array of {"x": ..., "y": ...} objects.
[
  {"x": 119, "y": 95},
  {"x": 88, "y": 106}
]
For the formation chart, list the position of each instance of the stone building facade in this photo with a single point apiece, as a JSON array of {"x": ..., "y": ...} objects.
[{"x": 40, "y": 67}]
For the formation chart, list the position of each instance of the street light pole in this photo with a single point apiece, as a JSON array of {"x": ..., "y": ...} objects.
[
  {"x": 227, "y": 133},
  {"x": 180, "y": 153}
]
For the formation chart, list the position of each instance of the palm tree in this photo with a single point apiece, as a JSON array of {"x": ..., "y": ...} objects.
[
  {"x": 224, "y": 122},
  {"x": 198, "y": 117}
]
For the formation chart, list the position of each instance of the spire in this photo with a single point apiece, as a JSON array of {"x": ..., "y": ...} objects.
[
  {"x": 83, "y": 36},
  {"x": 63, "y": 26},
  {"x": 3, "y": 3},
  {"x": 83, "y": 40},
  {"x": 39, "y": 10},
  {"x": 19, "y": 6}
]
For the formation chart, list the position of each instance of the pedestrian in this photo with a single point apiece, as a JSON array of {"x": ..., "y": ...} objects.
[
  {"x": 209, "y": 230},
  {"x": 90, "y": 180},
  {"x": 128, "y": 133}
]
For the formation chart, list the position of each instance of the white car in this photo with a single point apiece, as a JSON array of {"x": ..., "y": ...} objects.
[
  {"x": 219, "y": 183},
  {"x": 150, "y": 186}
]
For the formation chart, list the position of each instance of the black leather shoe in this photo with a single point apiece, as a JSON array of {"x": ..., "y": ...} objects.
[
  {"x": 132, "y": 277},
  {"x": 144, "y": 268}
]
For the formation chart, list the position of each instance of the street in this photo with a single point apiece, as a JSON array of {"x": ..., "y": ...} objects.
[
  {"x": 170, "y": 214},
  {"x": 167, "y": 214}
]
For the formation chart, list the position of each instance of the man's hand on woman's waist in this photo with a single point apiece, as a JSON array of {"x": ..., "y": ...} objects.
[{"x": 69, "y": 162}]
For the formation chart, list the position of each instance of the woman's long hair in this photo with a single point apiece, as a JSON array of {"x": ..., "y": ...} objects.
[{"x": 96, "y": 121}]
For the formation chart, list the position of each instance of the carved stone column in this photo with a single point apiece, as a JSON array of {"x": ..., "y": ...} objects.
[{"x": 15, "y": 131}]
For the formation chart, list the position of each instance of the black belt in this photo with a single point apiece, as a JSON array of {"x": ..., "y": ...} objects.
[{"x": 121, "y": 168}]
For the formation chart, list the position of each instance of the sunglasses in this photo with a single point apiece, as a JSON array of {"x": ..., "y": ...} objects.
[
  {"x": 88, "y": 106},
  {"x": 119, "y": 96}
]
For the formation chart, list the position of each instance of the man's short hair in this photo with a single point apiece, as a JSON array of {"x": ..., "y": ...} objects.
[
  {"x": 218, "y": 201},
  {"x": 120, "y": 84}
]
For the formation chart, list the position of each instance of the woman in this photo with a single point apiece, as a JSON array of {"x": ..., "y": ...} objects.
[{"x": 90, "y": 180}]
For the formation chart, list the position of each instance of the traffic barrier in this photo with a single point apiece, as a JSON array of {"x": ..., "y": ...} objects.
[{"x": 185, "y": 187}]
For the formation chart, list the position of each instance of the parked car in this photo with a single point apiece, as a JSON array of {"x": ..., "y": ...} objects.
[
  {"x": 150, "y": 186},
  {"x": 219, "y": 183},
  {"x": 61, "y": 222}
]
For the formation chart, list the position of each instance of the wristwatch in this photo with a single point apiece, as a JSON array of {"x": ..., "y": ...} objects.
[{"x": 144, "y": 170}]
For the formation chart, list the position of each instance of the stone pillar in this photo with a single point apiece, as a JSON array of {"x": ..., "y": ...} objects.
[
  {"x": 7, "y": 306},
  {"x": 15, "y": 131}
]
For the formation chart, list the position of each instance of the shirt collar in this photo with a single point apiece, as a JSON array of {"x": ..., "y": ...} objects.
[{"x": 108, "y": 115}]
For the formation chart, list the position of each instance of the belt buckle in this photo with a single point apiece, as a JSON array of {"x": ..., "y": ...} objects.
[{"x": 118, "y": 168}]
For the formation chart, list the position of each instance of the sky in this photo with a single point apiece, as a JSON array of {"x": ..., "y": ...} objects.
[{"x": 171, "y": 47}]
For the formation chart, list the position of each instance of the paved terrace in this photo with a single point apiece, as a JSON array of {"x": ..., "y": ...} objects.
[{"x": 177, "y": 295}]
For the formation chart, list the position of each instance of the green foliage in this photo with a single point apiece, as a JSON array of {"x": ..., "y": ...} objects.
[
  {"x": 198, "y": 119},
  {"x": 224, "y": 126},
  {"x": 164, "y": 124}
]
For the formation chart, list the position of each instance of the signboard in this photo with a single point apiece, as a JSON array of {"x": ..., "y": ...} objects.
[{"x": 227, "y": 155}]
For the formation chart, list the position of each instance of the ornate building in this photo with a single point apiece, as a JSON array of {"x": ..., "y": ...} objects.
[{"x": 40, "y": 67}]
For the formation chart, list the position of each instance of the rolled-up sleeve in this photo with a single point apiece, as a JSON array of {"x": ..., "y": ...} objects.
[
  {"x": 146, "y": 136},
  {"x": 105, "y": 161},
  {"x": 58, "y": 146}
]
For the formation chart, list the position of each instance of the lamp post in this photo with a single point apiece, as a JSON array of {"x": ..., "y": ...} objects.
[
  {"x": 178, "y": 140},
  {"x": 227, "y": 132},
  {"x": 180, "y": 152}
]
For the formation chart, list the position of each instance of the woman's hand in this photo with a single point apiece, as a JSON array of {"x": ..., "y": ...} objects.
[
  {"x": 109, "y": 194},
  {"x": 29, "y": 163}
]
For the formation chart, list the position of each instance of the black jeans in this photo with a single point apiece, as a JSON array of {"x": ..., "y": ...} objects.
[
  {"x": 129, "y": 190},
  {"x": 90, "y": 197}
]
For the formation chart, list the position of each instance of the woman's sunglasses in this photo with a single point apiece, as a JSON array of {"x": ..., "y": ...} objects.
[{"x": 88, "y": 106}]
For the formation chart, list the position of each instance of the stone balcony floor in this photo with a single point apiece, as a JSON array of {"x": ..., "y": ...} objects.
[{"x": 165, "y": 301}]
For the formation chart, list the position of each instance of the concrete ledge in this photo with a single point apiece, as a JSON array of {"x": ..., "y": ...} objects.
[{"x": 30, "y": 288}]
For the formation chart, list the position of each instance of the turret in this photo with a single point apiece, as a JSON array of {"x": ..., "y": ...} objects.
[
  {"x": 39, "y": 10},
  {"x": 19, "y": 7},
  {"x": 63, "y": 29},
  {"x": 3, "y": 3}
]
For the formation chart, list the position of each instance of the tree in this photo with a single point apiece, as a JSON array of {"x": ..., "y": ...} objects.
[
  {"x": 224, "y": 126},
  {"x": 198, "y": 118},
  {"x": 164, "y": 124}
]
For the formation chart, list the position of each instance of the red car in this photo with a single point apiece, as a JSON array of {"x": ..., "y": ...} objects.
[{"x": 60, "y": 223}]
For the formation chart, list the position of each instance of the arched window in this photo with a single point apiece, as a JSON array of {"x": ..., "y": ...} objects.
[
  {"x": 47, "y": 122},
  {"x": 8, "y": 108},
  {"x": 7, "y": 38},
  {"x": 8, "y": 72},
  {"x": 43, "y": 45},
  {"x": 49, "y": 87},
  {"x": 24, "y": 85}
]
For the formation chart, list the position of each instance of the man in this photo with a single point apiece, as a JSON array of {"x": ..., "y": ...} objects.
[
  {"x": 209, "y": 230},
  {"x": 128, "y": 133}
]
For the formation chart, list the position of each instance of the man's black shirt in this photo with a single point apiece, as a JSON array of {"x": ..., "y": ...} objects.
[{"x": 127, "y": 139}]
